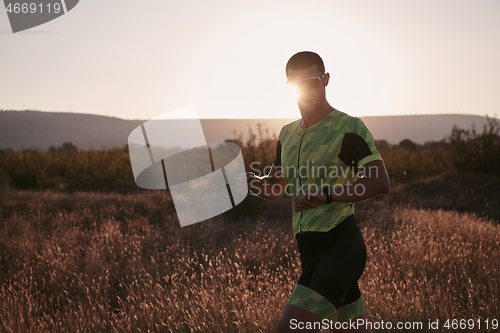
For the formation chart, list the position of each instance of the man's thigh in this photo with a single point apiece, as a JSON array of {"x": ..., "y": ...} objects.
[{"x": 336, "y": 274}]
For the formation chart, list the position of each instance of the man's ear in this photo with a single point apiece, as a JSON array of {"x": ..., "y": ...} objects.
[{"x": 326, "y": 79}]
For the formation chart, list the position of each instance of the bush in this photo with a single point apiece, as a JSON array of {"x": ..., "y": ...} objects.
[{"x": 476, "y": 152}]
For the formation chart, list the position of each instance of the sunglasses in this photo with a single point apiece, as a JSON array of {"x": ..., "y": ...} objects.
[{"x": 306, "y": 79}]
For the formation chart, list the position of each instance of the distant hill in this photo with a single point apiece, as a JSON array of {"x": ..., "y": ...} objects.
[
  {"x": 23, "y": 129},
  {"x": 420, "y": 128}
]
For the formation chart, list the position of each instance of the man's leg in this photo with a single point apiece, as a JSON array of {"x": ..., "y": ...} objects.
[
  {"x": 294, "y": 317},
  {"x": 306, "y": 308}
]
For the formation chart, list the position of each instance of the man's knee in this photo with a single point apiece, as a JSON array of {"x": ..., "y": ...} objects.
[
  {"x": 298, "y": 325},
  {"x": 297, "y": 319},
  {"x": 285, "y": 321},
  {"x": 283, "y": 326}
]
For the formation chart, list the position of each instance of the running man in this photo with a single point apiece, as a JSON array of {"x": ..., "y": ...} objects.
[{"x": 325, "y": 161}]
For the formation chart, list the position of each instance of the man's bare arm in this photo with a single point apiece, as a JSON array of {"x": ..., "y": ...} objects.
[{"x": 375, "y": 182}]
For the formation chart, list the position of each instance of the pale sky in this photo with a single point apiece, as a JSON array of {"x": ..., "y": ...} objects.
[{"x": 140, "y": 59}]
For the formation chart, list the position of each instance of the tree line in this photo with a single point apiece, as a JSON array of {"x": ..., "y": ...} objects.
[{"x": 68, "y": 168}]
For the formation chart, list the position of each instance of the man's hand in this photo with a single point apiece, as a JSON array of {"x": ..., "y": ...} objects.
[
  {"x": 309, "y": 199},
  {"x": 271, "y": 186}
]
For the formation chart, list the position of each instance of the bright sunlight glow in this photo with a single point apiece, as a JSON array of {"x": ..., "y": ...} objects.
[{"x": 242, "y": 75}]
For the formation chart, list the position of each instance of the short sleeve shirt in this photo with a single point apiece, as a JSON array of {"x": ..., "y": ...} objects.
[{"x": 329, "y": 153}]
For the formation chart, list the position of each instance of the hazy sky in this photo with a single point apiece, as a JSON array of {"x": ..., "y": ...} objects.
[{"x": 139, "y": 59}]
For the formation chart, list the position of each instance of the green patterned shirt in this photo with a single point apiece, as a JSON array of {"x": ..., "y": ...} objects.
[{"x": 329, "y": 153}]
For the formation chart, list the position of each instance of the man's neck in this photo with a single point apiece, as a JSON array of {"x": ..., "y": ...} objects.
[{"x": 312, "y": 116}]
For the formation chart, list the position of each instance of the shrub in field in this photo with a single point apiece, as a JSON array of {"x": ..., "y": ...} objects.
[
  {"x": 471, "y": 151},
  {"x": 68, "y": 169}
]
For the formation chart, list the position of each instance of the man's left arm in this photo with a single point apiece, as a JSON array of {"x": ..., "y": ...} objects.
[{"x": 375, "y": 182}]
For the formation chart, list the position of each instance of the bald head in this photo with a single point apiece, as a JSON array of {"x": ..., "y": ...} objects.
[{"x": 304, "y": 60}]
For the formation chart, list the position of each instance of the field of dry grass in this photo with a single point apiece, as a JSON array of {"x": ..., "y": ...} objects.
[{"x": 107, "y": 262}]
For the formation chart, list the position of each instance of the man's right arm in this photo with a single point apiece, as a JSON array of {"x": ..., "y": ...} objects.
[{"x": 271, "y": 186}]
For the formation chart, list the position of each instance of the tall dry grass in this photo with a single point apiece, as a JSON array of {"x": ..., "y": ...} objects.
[{"x": 90, "y": 262}]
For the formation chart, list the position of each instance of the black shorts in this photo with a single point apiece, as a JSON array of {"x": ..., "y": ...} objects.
[{"x": 332, "y": 263}]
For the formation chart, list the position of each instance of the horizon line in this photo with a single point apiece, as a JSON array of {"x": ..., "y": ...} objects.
[{"x": 222, "y": 118}]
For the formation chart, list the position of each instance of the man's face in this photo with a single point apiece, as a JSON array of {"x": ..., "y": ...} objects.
[{"x": 311, "y": 91}]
